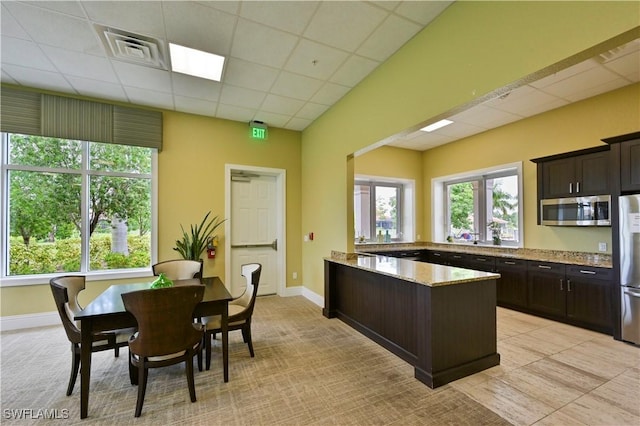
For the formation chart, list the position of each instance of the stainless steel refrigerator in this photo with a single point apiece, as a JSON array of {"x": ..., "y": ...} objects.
[{"x": 630, "y": 267}]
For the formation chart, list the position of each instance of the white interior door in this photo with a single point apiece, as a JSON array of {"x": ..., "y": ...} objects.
[{"x": 254, "y": 230}]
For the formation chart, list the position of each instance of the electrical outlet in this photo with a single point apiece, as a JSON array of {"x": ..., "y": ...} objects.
[
  {"x": 602, "y": 246},
  {"x": 295, "y": 275}
]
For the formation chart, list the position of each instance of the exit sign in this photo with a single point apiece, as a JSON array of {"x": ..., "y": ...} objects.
[{"x": 258, "y": 130}]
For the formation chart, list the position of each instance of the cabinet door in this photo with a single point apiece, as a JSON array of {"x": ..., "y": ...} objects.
[
  {"x": 512, "y": 284},
  {"x": 558, "y": 178},
  {"x": 592, "y": 174},
  {"x": 546, "y": 285},
  {"x": 630, "y": 165},
  {"x": 589, "y": 292}
]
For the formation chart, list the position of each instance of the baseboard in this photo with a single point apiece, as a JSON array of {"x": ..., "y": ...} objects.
[{"x": 18, "y": 322}]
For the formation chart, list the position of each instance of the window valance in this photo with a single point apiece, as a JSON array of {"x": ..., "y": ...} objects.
[{"x": 42, "y": 114}]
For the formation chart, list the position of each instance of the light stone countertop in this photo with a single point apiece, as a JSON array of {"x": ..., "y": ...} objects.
[
  {"x": 602, "y": 260},
  {"x": 418, "y": 272}
]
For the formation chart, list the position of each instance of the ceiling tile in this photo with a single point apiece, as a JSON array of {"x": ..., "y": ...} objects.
[
  {"x": 242, "y": 73},
  {"x": 32, "y": 77},
  {"x": 198, "y": 27},
  {"x": 627, "y": 65},
  {"x": 287, "y": 106},
  {"x": 315, "y": 60},
  {"x": 384, "y": 41},
  {"x": 389, "y": 5},
  {"x": 6, "y": 78},
  {"x": 598, "y": 89},
  {"x": 422, "y": 11},
  {"x": 291, "y": 16},
  {"x": 72, "y": 8},
  {"x": 272, "y": 119},
  {"x": 150, "y": 98},
  {"x": 263, "y": 45},
  {"x": 193, "y": 87},
  {"x": 353, "y": 71},
  {"x": 9, "y": 26},
  {"x": 344, "y": 25},
  {"x": 295, "y": 86},
  {"x": 526, "y": 101},
  {"x": 241, "y": 97},
  {"x": 298, "y": 124},
  {"x": 460, "y": 130},
  {"x": 195, "y": 106},
  {"x": 142, "y": 77},
  {"x": 564, "y": 74},
  {"x": 140, "y": 17},
  {"x": 98, "y": 89},
  {"x": 25, "y": 53},
  {"x": 487, "y": 117},
  {"x": 579, "y": 82},
  {"x": 235, "y": 113},
  {"x": 311, "y": 111},
  {"x": 80, "y": 65},
  {"x": 45, "y": 27},
  {"x": 329, "y": 94}
]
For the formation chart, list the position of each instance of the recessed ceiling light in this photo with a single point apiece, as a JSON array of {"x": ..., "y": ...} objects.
[
  {"x": 196, "y": 62},
  {"x": 436, "y": 125}
]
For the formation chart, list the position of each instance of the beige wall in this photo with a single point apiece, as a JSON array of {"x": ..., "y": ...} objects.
[
  {"x": 190, "y": 183},
  {"x": 398, "y": 163},
  {"x": 471, "y": 50},
  {"x": 576, "y": 126}
]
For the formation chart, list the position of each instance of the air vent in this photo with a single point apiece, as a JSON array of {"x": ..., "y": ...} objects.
[{"x": 134, "y": 48}]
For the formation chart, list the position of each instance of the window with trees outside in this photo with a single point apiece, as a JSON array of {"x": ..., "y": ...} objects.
[
  {"x": 483, "y": 208},
  {"x": 73, "y": 206},
  {"x": 378, "y": 210}
]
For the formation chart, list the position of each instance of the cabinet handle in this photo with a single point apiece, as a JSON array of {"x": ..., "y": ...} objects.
[
  {"x": 457, "y": 257},
  {"x": 561, "y": 284},
  {"x": 587, "y": 272},
  {"x": 436, "y": 254},
  {"x": 479, "y": 259},
  {"x": 568, "y": 285},
  {"x": 577, "y": 187},
  {"x": 509, "y": 262},
  {"x": 570, "y": 187},
  {"x": 544, "y": 267}
]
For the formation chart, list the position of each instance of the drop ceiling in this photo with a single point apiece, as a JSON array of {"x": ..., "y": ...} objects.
[{"x": 287, "y": 61}]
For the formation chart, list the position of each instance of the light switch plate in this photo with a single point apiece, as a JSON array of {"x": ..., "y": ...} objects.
[{"x": 602, "y": 246}]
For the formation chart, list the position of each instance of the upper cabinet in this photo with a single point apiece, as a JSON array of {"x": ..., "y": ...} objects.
[
  {"x": 574, "y": 174},
  {"x": 626, "y": 155}
]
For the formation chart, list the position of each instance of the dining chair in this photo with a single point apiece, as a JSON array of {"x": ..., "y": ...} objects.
[
  {"x": 179, "y": 269},
  {"x": 166, "y": 332},
  {"x": 65, "y": 291},
  {"x": 240, "y": 312}
]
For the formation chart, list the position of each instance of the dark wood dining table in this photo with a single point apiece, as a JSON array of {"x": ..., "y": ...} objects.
[{"x": 107, "y": 312}]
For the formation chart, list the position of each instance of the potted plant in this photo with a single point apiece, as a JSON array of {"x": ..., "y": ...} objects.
[
  {"x": 496, "y": 229},
  {"x": 193, "y": 243}
]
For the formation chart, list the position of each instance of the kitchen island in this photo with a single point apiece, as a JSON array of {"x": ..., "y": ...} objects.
[{"x": 440, "y": 319}]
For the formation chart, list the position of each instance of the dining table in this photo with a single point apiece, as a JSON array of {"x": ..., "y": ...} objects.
[{"x": 107, "y": 312}]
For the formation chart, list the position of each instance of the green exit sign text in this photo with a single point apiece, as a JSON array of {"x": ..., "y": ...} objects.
[{"x": 258, "y": 130}]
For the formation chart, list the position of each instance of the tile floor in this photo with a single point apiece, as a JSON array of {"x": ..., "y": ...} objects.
[{"x": 555, "y": 374}]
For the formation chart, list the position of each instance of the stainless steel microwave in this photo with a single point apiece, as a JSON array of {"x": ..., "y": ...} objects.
[{"x": 576, "y": 211}]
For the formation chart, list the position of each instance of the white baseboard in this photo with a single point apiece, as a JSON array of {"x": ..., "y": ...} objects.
[{"x": 18, "y": 322}]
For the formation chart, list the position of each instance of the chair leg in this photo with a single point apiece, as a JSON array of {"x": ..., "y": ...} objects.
[
  {"x": 189, "y": 372},
  {"x": 142, "y": 386},
  {"x": 133, "y": 371},
  {"x": 207, "y": 346},
  {"x": 199, "y": 355},
  {"x": 75, "y": 367},
  {"x": 246, "y": 335},
  {"x": 116, "y": 351}
]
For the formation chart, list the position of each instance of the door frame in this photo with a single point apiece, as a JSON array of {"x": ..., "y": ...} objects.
[{"x": 281, "y": 219}]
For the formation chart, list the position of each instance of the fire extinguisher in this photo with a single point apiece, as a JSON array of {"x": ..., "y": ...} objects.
[{"x": 212, "y": 243}]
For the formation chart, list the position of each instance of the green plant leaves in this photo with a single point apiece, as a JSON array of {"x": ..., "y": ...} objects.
[{"x": 194, "y": 242}]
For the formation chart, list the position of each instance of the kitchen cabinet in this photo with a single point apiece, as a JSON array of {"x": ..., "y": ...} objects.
[
  {"x": 576, "y": 176},
  {"x": 630, "y": 166},
  {"x": 589, "y": 298},
  {"x": 512, "y": 284},
  {"x": 546, "y": 288}
]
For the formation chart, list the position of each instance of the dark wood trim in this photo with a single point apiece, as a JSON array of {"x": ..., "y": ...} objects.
[
  {"x": 571, "y": 154},
  {"x": 622, "y": 138}
]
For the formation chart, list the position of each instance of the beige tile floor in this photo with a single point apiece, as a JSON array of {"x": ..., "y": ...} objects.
[{"x": 555, "y": 374}]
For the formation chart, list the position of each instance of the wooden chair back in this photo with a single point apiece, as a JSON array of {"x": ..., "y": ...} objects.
[
  {"x": 65, "y": 291},
  {"x": 251, "y": 273},
  {"x": 179, "y": 269},
  {"x": 165, "y": 319}
]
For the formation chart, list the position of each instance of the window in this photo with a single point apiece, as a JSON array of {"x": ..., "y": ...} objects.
[
  {"x": 73, "y": 206},
  {"x": 380, "y": 210},
  {"x": 480, "y": 207}
]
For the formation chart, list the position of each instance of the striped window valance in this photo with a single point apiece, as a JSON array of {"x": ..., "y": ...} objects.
[{"x": 42, "y": 114}]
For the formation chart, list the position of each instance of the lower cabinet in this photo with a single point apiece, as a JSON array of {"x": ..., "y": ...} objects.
[
  {"x": 512, "y": 284},
  {"x": 546, "y": 283}
]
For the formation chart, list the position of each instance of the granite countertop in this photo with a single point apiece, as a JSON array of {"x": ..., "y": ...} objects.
[
  {"x": 418, "y": 272},
  {"x": 601, "y": 260}
]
